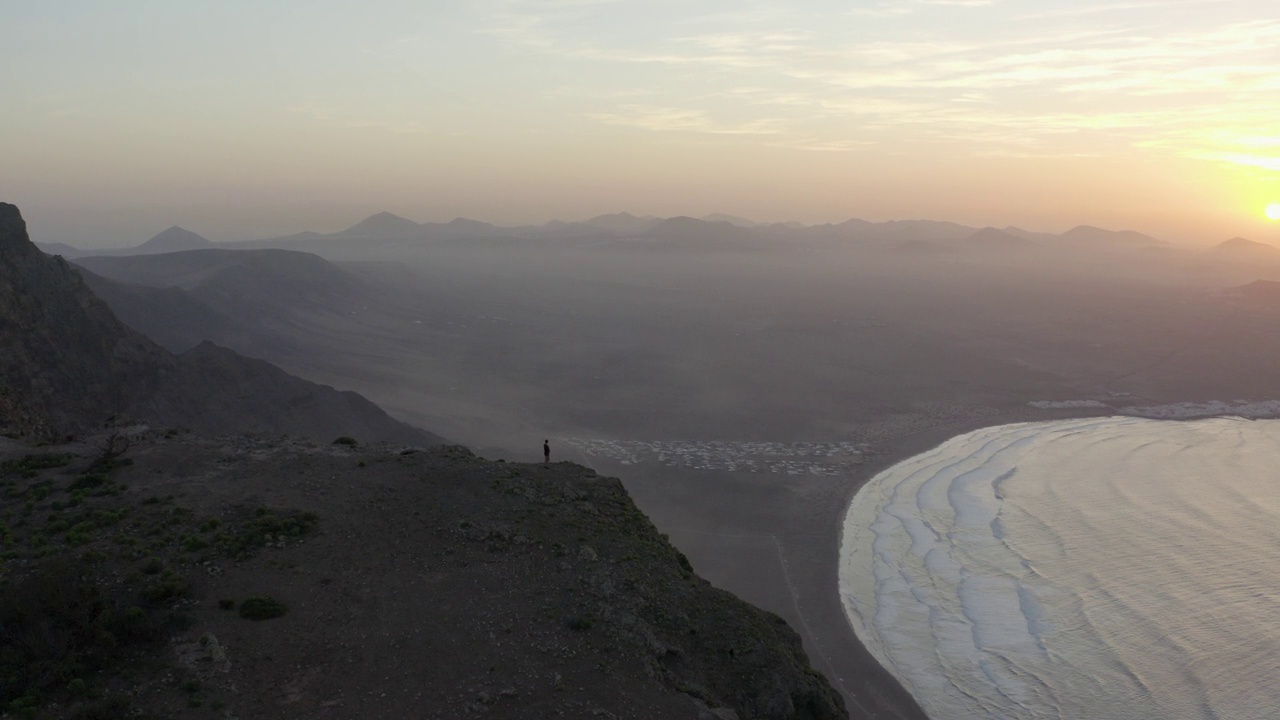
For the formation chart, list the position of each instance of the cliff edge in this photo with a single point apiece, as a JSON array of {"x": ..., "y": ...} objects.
[{"x": 419, "y": 583}]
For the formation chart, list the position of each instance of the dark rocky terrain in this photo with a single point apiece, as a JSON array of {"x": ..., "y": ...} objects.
[{"x": 418, "y": 583}]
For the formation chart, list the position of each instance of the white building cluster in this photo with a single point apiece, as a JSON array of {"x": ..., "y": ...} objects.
[{"x": 795, "y": 458}]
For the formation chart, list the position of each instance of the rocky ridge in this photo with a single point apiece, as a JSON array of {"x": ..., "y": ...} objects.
[{"x": 67, "y": 364}]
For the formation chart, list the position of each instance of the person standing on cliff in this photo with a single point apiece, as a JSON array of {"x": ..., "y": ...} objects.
[{"x": 546, "y": 452}]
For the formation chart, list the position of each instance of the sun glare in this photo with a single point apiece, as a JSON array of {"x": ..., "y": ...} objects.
[{"x": 1273, "y": 211}]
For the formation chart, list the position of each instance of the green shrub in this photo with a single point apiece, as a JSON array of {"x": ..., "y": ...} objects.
[
  {"x": 243, "y": 541},
  {"x": 262, "y": 607},
  {"x": 28, "y": 465},
  {"x": 168, "y": 587},
  {"x": 346, "y": 440},
  {"x": 88, "y": 481},
  {"x": 61, "y": 624}
]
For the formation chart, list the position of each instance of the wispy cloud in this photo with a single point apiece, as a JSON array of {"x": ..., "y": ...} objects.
[
  {"x": 685, "y": 120},
  {"x": 835, "y": 82}
]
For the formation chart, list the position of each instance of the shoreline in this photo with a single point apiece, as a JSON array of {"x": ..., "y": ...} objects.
[
  {"x": 1224, "y": 423},
  {"x": 794, "y": 568},
  {"x": 776, "y": 543},
  {"x": 879, "y": 684},
  {"x": 870, "y": 688},
  {"x": 899, "y": 449},
  {"x": 774, "y": 540}
]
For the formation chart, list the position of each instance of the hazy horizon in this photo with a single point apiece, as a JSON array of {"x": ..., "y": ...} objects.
[
  {"x": 96, "y": 243},
  {"x": 239, "y": 121}
]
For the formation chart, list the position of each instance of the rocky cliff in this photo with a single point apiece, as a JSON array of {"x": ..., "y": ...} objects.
[
  {"x": 428, "y": 583},
  {"x": 67, "y": 365},
  {"x": 65, "y": 361}
]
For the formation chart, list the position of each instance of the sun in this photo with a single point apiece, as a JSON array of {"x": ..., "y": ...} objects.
[{"x": 1273, "y": 211}]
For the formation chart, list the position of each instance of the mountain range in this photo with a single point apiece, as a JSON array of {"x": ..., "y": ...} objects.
[{"x": 385, "y": 230}]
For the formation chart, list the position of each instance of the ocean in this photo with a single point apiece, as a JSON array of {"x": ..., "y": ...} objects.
[{"x": 1102, "y": 568}]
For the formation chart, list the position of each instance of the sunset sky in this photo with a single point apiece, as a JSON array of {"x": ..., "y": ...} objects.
[{"x": 241, "y": 119}]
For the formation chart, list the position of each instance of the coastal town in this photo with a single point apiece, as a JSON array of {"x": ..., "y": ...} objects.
[{"x": 783, "y": 458}]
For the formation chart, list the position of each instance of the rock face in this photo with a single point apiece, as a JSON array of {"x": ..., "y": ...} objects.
[
  {"x": 65, "y": 361},
  {"x": 68, "y": 364}
]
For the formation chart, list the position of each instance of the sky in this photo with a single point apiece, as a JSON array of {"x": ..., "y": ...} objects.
[{"x": 243, "y": 119}]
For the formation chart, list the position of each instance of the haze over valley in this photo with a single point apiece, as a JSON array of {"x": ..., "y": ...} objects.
[{"x": 644, "y": 328}]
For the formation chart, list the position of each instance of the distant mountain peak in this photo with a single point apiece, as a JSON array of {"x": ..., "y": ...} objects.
[
  {"x": 174, "y": 239},
  {"x": 995, "y": 239},
  {"x": 686, "y": 228},
  {"x": 1092, "y": 234},
  {"x": 1239, "y": 244},
  {"x": 623, "y": 223},
  {"x": 1263, "y": 292},
  {"x": 383, "y": 225},
  {"x": 731, "y": 219}
]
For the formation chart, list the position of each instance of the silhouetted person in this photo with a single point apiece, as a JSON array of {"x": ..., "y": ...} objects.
[{"x": 546, "y": 452}]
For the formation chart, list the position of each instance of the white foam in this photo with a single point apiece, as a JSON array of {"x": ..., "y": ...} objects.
[{"x": 1104, "y": 567}]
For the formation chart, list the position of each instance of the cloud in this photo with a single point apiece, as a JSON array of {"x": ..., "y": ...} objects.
[
  {"x": 685, "y": 120},
  {"x": 836, "y": 81}
]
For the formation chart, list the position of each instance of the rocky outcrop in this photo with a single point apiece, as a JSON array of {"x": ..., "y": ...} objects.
[{"x": 68, "y": 364}]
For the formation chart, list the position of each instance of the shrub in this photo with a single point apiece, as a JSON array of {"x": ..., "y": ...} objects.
[
  {"x": 28, "y": 465},
  {"x": 346, "y": 440},
  {"x": 88, "y": 481},
  {"x": 243, "y": 541},
  {"x": 169, "y": 587},
  {"x": 580, "y": 623},
  {"x": 58, "y": 626},
  {"x": 262, "y": 607}
]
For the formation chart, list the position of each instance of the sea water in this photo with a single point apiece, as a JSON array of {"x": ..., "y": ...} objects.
[{"x": 1100, "y": 568}]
